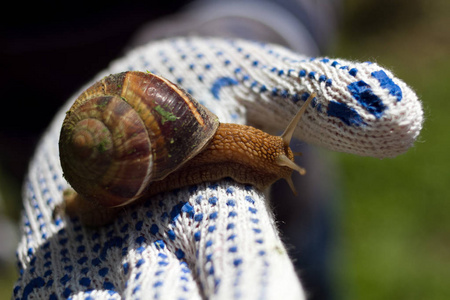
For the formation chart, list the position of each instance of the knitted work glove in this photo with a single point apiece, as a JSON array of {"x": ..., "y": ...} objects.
[{"x": 216, "y": 239}]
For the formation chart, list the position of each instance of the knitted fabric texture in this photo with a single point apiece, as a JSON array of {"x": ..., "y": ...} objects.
[{"x": 216, "y": 240}]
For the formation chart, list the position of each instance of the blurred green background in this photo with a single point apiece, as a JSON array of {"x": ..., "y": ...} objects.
[
  {"x": 394, "y": 225},
  {"x": 395, "y": 231}
]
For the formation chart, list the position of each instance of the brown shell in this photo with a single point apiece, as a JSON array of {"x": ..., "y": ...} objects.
[{"x": 128, "y": 130}]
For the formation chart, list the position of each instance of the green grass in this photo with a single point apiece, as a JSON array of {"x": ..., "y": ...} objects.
[{"x": 395, "y": 224}]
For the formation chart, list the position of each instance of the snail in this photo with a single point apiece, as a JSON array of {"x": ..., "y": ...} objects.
[{"x": 132, "y": 135}]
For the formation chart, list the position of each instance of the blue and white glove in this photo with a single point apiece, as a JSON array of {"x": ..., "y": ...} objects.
[{"x": 217, "y": 240}]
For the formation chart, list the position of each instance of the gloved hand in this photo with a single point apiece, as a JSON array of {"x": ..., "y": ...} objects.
[{"x": 217, "y": 239}]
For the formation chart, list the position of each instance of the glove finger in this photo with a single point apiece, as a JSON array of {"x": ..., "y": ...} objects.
[
  {"x": 220, "y": 237},
  {"x": 155, "y": 256},
  {"x": 226, "y": 235},
  {"x": 60, "y": 258},
  {"x": 360, "y": 108}
]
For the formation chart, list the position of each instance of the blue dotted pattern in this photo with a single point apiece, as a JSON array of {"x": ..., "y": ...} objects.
[
  {"x": 238, "y": 66},
  {"x": 82, "y": 259},
  {"x": 359, "y": 89},
  {"x": 68, "y": 241},
  {"x": 388, "y": 83},
  {"x": 235, "y": 66},
  {"x": 345, "y": 113},
  {"x": 234, "y": 212}
]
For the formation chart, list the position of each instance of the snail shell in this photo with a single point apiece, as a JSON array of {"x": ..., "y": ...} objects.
[{"x": 128, "y": 130}]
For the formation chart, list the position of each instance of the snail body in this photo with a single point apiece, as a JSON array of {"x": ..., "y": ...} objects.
[{"x": 133, "y": 134}]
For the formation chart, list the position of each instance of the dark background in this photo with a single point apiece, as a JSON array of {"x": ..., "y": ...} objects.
[{"x": 47, "y": 52}]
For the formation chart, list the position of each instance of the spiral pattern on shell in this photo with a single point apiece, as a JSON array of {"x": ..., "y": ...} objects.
[{"x": 128, "y": 130}]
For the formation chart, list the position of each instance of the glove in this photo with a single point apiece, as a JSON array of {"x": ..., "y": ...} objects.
[{"x": 216, "y": 239}]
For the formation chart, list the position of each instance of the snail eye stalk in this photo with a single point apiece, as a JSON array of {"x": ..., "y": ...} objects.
[
  {"x": 287, "y": 134},
  {"x": 283, "y": 160}
]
